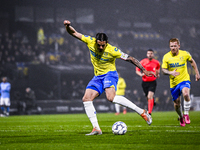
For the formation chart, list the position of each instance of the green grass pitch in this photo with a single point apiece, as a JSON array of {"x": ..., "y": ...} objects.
[{"x": 63, "y": 132}]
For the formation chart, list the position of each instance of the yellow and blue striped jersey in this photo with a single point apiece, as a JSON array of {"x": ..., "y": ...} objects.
[
  {"x": 103, "y": 62},
  {"x": 178, "y": 62}
]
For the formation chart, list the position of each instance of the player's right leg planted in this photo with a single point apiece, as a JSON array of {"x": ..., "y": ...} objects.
[
  {"x": 91, "y": 113},
  {"x": 145, "y": 115},
  {"x": 182, "y": 122},
  {"x": 95, "y": 132}
]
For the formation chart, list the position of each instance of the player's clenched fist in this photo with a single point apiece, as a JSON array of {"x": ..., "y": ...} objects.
[{"x": 67, "y": 22}]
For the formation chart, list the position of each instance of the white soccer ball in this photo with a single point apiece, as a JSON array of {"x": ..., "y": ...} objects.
[{"x": 119, "y": 128}]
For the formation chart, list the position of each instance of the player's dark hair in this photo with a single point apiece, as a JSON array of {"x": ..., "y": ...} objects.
[
  {"x": 150, "y": 50},
  {"x": 101, "y": 37}
]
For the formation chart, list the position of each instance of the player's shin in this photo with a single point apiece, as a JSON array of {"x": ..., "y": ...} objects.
[
  {"x": 150, "y": 105},
  {"x": 187, "y": 107},
  {"x": 117, "y": 108},
  {"x": 179, "y": 110},
  {"x": 91, "y": 113},
  {"x": 121, "y": 100}
]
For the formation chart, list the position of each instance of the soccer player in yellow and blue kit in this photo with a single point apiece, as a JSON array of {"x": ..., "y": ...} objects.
[
  {"x": 103, "y": 56},
  {"x": 174, "y": 64}
]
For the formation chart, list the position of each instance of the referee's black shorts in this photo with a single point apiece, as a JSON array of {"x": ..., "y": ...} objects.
[{"x": 149, "y": 86}]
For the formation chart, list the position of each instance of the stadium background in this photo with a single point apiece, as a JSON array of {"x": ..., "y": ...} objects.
[{"x": 57, "y": 67}]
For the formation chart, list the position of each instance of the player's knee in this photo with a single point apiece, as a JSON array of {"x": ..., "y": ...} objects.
[
  {"x": 86, "y": 99},
  {"x": 110, "y": 98},
  {"x": 186, "y": 96},
  {"x": 176, "y": 106},
  {"x": 177, "y": 103},
  {"x": 149, "y": 97}
]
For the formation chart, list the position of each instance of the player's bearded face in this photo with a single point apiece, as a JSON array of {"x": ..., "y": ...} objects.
[
  {"x": 101, "y": 45},
  {"x": 174, "y": 46},
  {"x": 150, "y": 55}
]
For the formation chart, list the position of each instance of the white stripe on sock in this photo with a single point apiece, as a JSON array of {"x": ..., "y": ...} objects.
[{"x": 187, "y": 107}]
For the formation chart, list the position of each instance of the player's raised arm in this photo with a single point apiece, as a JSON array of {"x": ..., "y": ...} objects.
[
  {"x": 71, "y": 30},
  {"x": 134, "y": 61},
  {"x": 141, "y": 74}
]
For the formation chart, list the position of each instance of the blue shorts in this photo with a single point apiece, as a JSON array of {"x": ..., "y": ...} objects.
[
  {"x": 177, "y": 90},
  {"x": 99, "y": 83}
]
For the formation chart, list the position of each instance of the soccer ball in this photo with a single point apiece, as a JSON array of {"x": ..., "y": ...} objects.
[{"x": 119, "y": 128}]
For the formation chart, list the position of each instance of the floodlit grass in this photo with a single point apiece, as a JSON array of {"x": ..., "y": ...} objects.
[{"x": 62, "y": 132}]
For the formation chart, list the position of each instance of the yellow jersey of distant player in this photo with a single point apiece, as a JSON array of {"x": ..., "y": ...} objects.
[
  {"x": 178, "y": 62},
  {"x": 121, "y": 86},
  {"x": 103, "y": 62}
]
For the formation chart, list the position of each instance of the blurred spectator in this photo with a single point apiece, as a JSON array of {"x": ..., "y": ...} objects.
[
  {"x": 64, "y": 90},
  {"x": 53, "y": 58},
  {"x": 42, "y": 57},
  {"x": 22, "y": 69},
  {"x": 25, "y": 40},
  {"x": 10, "y": 67},
  {"x": 74, "y": 92},
  {"x": 81, "y": 88},
  {"x": 18, "y": 56},
  {"x": 30, "y": 101},
  {"x": 40, "y": 36}
]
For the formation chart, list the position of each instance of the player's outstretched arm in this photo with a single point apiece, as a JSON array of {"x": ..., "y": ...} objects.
[
  {"x": 141, "y": 74},
  {"x": 139, "y": 65},
  {"x": 71, "y": 30},
  {"x": 194, "y": 66}
]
